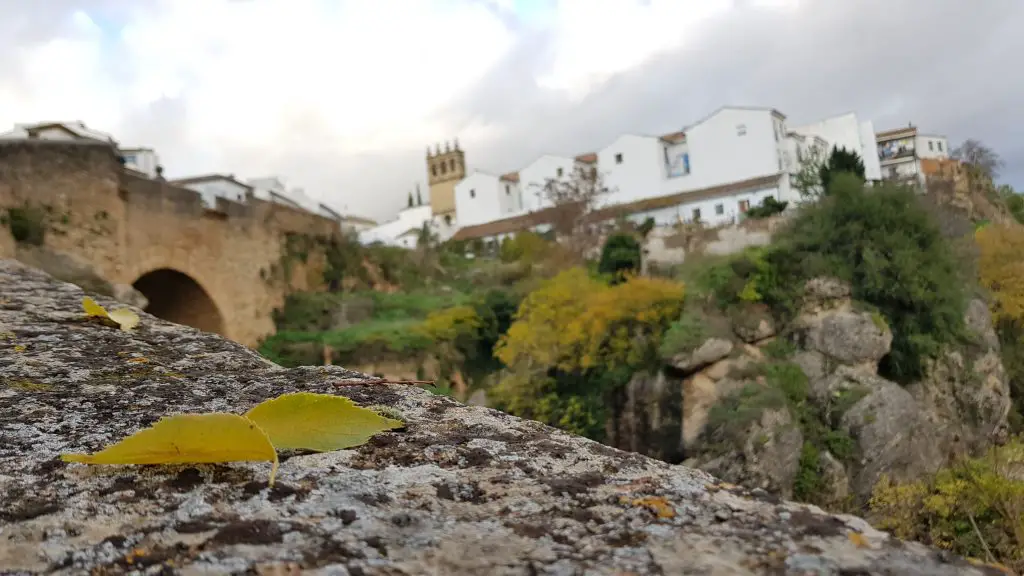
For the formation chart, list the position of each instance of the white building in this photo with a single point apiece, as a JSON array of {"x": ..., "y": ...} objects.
[
  {"x": 142, "y": 160},
  {"x": 145, "y": 161},
  {"x": 482, "y": 197},
  {"x": 900, "y": 152},
  {"x": 846, "y": 131},
  {"x": 213, "y": 186},
  {"x": 712, "y": 171},
  {"x": 411, "y": 218}
]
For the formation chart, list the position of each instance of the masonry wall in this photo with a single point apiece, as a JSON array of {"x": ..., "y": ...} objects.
[{"x": 127, "y": 226}]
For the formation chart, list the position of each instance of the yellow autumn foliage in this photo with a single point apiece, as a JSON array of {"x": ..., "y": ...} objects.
[
  {"x": 966, "y": 508},
  {"x": 574, "y": 322},
  {"x": 1001, "y": 268},
  {"x": 450, "y": 323}
]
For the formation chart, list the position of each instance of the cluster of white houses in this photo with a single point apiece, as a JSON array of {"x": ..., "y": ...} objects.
[
  {"x": 712, "y": 171},
  {"x": 146, "y": 162}
]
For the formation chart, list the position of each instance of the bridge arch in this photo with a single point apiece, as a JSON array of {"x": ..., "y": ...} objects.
[{"x": 177, "y": 297}]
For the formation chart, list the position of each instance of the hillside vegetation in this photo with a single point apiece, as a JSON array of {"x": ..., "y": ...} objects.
[{"x": 549, "y": 335}]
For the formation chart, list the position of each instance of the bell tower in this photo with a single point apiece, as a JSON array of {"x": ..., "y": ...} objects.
[{"x": 445, "y": 169}]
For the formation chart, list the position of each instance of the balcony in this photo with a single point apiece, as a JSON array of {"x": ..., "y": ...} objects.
[{"x": 890, "y": 155}]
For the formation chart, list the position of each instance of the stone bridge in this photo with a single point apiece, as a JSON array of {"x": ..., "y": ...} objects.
[{"x": 222, "y": 270}]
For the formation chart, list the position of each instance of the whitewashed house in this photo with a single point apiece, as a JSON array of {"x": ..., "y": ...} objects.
[
  {"x": 395, "y": 232},
  {"x": 482, "y": 197},
  {"x": 846, "y": 131},
  {"x": 536, "y": 175},
  {"x": 213, "y": 186},
  {"x": 142, "y": 160},
  {"x": 900, "y": 152}
]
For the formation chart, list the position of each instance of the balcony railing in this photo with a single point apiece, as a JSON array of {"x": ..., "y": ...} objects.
[{"x": 885, "y": 155}]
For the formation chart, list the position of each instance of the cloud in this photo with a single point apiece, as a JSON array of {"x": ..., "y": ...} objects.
[{"x": 341, "y": 98}]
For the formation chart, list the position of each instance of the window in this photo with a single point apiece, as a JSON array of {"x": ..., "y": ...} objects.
[
  {"x": 593, "y": 173},
  {"x": 559, "y": 172},
  {"x": 696, "y": 214},
  {"x": 444, "y": 168},
  {"x": 618, "y": 158},
  {"x": 472, "y": 193},
  {"x": 452, "y": 164},
  {"x": 686, "y": 163},
  {"x": 433, "y": 170},
  {"x": 719, "y": 209},
  {"x": 448, "y": 219},
  {"x": 799, "y": 154},
  {"x": 744, "y": 205},
  {"x": 508, "y": 190},
  {"x": 940, "y": 146},
  {"x": 741, "y": 129},
  {"x": 931, "y": 145}
]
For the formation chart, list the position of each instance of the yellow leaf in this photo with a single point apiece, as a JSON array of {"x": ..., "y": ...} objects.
[
  {"x": 123, "y": 317},
  {"x": 319, "y": 422},
  {"x": 188, "y": 439},
  {"x": 93, "y": 309},
  {"x": 859, "y": 540}
]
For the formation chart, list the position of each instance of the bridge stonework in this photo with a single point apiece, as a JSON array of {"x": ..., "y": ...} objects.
[{"x": 223, "y": 270}]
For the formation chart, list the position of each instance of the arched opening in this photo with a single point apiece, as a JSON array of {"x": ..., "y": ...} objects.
[{"x": 177, "y": 298}]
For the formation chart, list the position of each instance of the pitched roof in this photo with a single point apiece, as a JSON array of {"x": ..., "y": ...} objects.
[
  {"x": 547, "y": 215},
  {"x": 674, "y": 137},
  {"x": 588, "y": 158},
  {"x": 896, "y": 132},
  {"x": 678, "y": 198},
  {"x": 510, "y": 177},
  {"x": 358, "y": 219},
  {"x": 208, "y": 178}
]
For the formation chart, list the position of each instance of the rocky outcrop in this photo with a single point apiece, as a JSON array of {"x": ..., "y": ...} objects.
[
  {"x": 460, "y": 491},
  {"x": 737, "y": 424}
]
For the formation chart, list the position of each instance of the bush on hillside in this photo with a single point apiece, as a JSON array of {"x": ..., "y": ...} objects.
[
  {"x": 973, "y": 509},
  {"x": 620, "y": 256},
  {"x": 840, "y": 161},
  {"x": 524, "y": 247},
  {"x": 884, "y": 244},
  {"x": 769, "y": 207},
  {"x": 576, "y": 338}
]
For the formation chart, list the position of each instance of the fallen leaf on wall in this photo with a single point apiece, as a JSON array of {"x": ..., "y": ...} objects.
[
  {"x": 122, "y": 317},
  {"x": 319, "y": 422},
  {"x": 189, "y": 438}
]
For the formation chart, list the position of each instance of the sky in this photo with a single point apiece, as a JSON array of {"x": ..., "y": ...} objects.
[{"x": 341, "y": 98}]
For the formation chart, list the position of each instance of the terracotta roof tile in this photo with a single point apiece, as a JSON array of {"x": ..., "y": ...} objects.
[
  {"x": 547, "y": 215},
  {"x": 588, "y": 158},
  {"x": 674, "y": 137},
  {"x": 511, "y": 177}
]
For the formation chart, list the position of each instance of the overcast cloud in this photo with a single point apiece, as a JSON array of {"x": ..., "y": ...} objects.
[{"x": 342, "y": 98}]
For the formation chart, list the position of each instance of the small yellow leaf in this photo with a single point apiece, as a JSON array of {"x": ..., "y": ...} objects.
[
  {"x": 19, "y": 348},
  {"x": 319, "y": 422},
  {"x": 188, "y": 439},
  {"x": 125, "y": 318},
  {"x": 859, "y": 540},
  {"x": 93, "y": 309}
]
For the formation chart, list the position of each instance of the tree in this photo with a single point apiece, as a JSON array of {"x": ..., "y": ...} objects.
[
  {"x": 807, "y": 180},
  {"x": 840, "y": 160},
  {"x": 572, "y": 200},
  {"x": 620, "y": 256},
  {"x": 980, "y": 160},
  {"x": 410, "y": 199},
  {"x": 419, "y": 197}
]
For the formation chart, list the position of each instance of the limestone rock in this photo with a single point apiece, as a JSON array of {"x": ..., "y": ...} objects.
[
  {"x": 834, "y": 480},
  {"x": 753, "y": 323},
  {"x": 851, "y": 338},
  {"x": 461, "y": 491},
  {"x": 825, "y": 293},
  {"x": 768, "y": 458},
  {"x": 649, "y": 418},
  {"x": 891, "y": 435},
  {"x": 711, "y": 351}
]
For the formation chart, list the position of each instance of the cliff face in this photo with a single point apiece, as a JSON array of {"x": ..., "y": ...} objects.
[
  {"x": 461, "y": 490},
  {"x": 816, "y": 420}
]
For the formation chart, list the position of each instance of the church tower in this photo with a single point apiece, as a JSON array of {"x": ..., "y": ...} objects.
[{"x": 445, "y": 169}]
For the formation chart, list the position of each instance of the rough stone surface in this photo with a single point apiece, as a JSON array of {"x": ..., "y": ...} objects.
[
  {"x": 712, "y": 350},
  {"x": 460, "y": 491},
  {"x": 851, "y": 338}
]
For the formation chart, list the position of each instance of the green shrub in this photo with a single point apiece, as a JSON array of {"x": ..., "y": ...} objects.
[
  {"x": 620, "y": 256},
  {"x": 840, "y": 161},
  {"x": 685, "y": 334},
  {"x": 27, "y": 224},
  {"x": 770, "y": 206}
]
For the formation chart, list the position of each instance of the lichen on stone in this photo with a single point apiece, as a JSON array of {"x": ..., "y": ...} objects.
[{"x": 460, "y": 491}]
